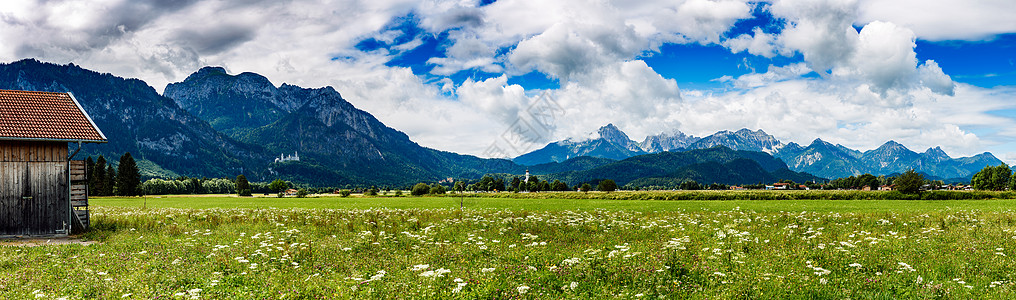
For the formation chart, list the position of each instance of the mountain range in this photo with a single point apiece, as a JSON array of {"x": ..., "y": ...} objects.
[
  {"x": 219, "y": 125},
  {"x": 165, "y": 139},
  {"x": 214, "y": 124},
  {"x": 668, "y": 169},
  {"x": 337, "y": 142},
  {"x": 609, "y": 142},
  {"x": 819, "y": 158}
]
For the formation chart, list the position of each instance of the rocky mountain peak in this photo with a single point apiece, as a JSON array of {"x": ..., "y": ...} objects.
[
  {"x": 892, "y": 144},
  {"x": 743, "y": 139},
  {"x": 667, "y": 141},
  {"x": 749, "y": 132},
  {"x": 611, "y": 132},
  {"x": 890, "y": 148},
  {"x": 206, "y": 71},
  {"x": 613, "y": 135},
  {"x": 935, "y": 154}
]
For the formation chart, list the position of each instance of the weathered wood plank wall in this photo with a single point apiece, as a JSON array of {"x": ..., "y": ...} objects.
[{"x": 33, "y": 188}]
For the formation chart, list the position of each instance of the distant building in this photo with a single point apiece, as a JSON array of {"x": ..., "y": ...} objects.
[{"x": 284, "y": 157}]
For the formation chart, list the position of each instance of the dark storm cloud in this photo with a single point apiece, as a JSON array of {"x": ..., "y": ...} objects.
[
  {"x": 462, "y": 17},
  {"x": 216, "y": 39},
  {"x": 133, "y": 15},
  {"x": 115, "y": 22}
]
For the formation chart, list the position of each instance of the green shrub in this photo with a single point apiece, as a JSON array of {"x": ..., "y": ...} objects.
[
  {"x": 607, "y": 185},
  {"x": 344, "y": 193},
  {"x": 420, "y": 189},
  {"x": 437, "y": 189}
]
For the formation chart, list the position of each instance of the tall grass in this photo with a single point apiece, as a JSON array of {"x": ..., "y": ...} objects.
[{"x": 469, "y": 254}]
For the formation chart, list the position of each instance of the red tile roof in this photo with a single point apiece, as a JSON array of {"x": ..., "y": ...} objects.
[{"x": 26, "y": 115}]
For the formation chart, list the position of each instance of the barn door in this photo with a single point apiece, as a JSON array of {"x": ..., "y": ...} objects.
[
  {"x": 14, "y": 188},
  {"x": 33, "y": 198}
]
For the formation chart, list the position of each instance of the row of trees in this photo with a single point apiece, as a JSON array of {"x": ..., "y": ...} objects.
[
  {"x": 692, "y": 185},
  {"x": 517, "y": 184},
  {"x": 422, "y": 189},
  {"x": 190, "y": 185},
  {"x": 104, "y": 180},
  {"x": 491, "y": 184},
  {"x": 186, "y": 185},
  {"x": 997, "y": 178},
  {"x": 909, "y": 182},
  {"x": 125, "y": 180},
  {"x": 860, "y": 181}
]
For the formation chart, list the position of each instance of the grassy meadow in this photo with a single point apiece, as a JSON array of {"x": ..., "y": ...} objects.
[{"x": 224, "y": 247}]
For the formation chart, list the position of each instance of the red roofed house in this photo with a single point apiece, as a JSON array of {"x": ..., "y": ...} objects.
[{"x": 42, "y": 191}]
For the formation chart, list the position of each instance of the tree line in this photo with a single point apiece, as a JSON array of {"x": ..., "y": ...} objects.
[
  {"x": 997, "y": 178},
  {"x": 517, "y": 184},
  {"x": 104, "y": 180},
  {"x": 909, "y": 182}
]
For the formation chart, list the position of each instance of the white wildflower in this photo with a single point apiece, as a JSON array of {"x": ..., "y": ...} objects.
[
  {"x": 522, "y": 289},
  {"x": 459, "y": 285},
  {"x": 380, "y": 274},
  {"x": 420, "y": 267}
]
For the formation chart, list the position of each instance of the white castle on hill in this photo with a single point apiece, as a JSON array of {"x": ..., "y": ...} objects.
[{"x": 284, "y": 157}]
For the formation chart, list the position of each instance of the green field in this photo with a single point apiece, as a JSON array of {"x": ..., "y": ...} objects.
[{"x": 338, "y": 248}]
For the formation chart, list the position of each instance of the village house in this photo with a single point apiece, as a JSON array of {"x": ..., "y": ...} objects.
[
  {"x": 42, "y": 191},
  {"x": 781, "y": 186}
]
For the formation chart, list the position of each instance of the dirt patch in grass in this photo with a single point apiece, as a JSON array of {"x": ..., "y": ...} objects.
[{"x": 37, "y": 241}]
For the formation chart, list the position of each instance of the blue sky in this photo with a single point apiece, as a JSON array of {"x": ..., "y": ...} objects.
[
  {"x": 985, "y": 63},
  {"x": 457, "y": 75}
]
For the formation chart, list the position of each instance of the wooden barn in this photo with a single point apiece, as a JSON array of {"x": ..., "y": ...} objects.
[{"x": 43, "y": 191}]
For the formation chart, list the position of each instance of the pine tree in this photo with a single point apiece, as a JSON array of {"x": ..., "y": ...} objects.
[
  {"x": 128, "y": 178},
  {"x": 909, "y": 182},
  {"x": 89, "y": 168},
  {"x": 97, "y": 179},
  {"x": 109, "y": 181}
]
